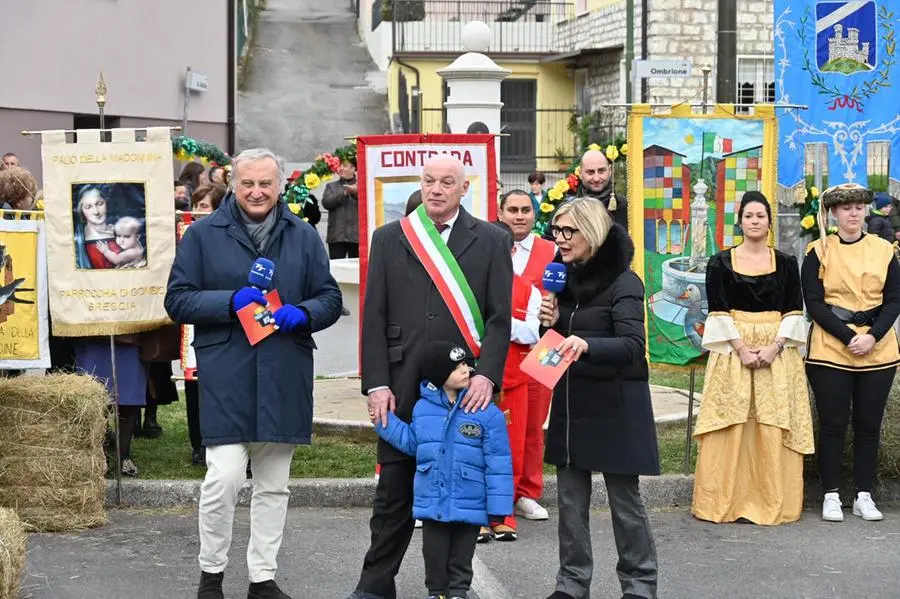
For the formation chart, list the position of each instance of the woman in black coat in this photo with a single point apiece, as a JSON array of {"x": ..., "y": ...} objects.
[{"x": 601, "y": 419}]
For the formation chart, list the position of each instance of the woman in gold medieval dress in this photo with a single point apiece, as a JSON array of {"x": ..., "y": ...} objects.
[{"x": 755, "y": 422}]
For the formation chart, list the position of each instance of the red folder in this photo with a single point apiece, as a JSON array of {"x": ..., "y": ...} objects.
[
  {"x": 543, "y": 363},
  {"x": 257, "y": 320}
]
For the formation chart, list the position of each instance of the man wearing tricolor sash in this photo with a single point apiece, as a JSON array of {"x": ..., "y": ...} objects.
[{"x": 438, "y": 274}]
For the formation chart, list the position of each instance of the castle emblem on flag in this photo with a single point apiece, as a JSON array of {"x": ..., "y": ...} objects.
[{"x": 846, "y": 41}]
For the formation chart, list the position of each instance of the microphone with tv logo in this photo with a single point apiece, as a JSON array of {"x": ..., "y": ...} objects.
[
  {"x": 554, "y": 281},
  {"x": 261, "y": 274},
  {"x": 260, "y": 277}
]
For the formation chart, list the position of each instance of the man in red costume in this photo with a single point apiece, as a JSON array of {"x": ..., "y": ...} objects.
[{"x": 524, "y": 401}]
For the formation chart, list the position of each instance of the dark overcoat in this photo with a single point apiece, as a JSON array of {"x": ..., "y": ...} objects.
[
  {"x": 260, "y": 393},
  {"x": 601, "y": 418},
  {"x": 403, "y": 309}
]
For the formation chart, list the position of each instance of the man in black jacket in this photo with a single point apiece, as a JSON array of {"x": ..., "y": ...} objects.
[
  {"x": 403, "y": 311},
  {"x": 597, "y": 182}
]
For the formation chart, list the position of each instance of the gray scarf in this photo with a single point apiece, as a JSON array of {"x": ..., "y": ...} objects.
[{"x": 259, "y": 231}]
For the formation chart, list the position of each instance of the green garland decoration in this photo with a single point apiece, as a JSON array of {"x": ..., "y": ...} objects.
[
  {"x": 323, "y": 168},
  {"x": 186, "y": 149}
]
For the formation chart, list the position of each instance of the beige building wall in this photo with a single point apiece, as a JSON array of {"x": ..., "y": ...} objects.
[{"x": 54, "y": 50}]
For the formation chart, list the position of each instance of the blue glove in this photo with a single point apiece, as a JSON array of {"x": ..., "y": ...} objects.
[
  {"x": 290, "y": 317},
  {"x": 246, "y": 296}
]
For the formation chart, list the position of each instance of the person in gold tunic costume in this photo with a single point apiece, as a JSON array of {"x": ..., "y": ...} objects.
[
  {"x": 851, "y": 285},
  {"x": 755, "y": 422}
]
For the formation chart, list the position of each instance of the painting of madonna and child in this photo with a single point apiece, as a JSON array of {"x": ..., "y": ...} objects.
[
  {"x": 109, "y": 225},
  {"x": 727, "y": 156}
]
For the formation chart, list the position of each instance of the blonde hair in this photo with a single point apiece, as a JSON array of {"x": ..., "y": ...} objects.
[
  {"x": 591, "y": 218},
  {"x": 127, "y": 226}
]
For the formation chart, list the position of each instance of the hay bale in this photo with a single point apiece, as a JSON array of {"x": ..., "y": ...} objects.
[
  {"x": 52, "y": 463},
  {"x": 12, "y": 554}
]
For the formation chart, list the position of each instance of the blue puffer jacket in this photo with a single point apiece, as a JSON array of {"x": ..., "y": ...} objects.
[{"x": 463, "y": 461}]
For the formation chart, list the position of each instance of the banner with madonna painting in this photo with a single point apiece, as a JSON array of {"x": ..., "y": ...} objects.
[
  {"x": 687, "y": 173},
  {"x": 110, "y": 237}
]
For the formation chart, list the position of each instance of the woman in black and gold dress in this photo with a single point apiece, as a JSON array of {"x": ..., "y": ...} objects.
[
  {"x": 851, "y": 284},
  {"x": 755, "y": 422}
]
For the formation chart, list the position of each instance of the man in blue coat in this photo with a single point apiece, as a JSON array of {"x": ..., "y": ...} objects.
[{"x": 256, "y": 400}]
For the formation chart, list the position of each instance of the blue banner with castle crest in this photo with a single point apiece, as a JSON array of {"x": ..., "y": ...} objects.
[{"x": 840, "y": 59}]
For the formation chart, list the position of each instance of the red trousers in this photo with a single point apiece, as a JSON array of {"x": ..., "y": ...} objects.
[
  {"x": 514, "y": 404},
  {"x": 531, "y": 483}
]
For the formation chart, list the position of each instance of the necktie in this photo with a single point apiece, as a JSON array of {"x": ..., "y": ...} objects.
[{"x": 441, "y": 228}]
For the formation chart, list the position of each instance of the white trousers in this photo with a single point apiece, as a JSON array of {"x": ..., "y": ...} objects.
[{"x": 225, "y": 474}]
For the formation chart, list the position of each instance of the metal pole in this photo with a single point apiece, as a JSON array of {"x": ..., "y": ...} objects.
[
  {"x": 187, "y": 100},
  {"x": 726, "y": 52},
  {"x": 706, "y": 69},
  {"x": 629, "y": 49},
  {"x": 690, "y": 423},
  {"x": 101, "y": 104}
]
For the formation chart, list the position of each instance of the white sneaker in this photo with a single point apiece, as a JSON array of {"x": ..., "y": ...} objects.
[
  {"x": 418, "y": 524},
  {"x": 831, "y": 508},
  {"x": 864, "y": 507},
  {"x": 530, "y": 509}
]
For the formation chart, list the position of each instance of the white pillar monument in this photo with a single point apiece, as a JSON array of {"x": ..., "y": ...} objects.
[
  {"x": 699, "y": 215},
  {"x": 473, "y": 79}
]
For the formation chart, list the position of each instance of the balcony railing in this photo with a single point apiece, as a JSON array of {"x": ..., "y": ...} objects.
[{"x": 435, "y": 26}]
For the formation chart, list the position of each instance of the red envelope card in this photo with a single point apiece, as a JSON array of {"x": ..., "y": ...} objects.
[
  {"x": 257, "y": 320},
  {"x": 543, "y": 363}
]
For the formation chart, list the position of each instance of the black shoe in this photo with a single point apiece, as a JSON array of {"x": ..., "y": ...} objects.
[
  {"x": 152, "y": 429},
  {"x": 266, "y": 590},
  {"x": 358, "y": 594},
  {"x": 560, "y": 595},
  {"x": 210, "y": 586},
  {"x": 198, "y": 457}
]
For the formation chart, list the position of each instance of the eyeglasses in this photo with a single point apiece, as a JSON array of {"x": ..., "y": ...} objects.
[{"x": 566, "y": 232}]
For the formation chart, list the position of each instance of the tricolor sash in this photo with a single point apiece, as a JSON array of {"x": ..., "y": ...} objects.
[{"x": 448, "y": 277}]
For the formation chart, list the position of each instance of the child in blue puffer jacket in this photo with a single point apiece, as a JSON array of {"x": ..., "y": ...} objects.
[{"x": 464, "y": 473}]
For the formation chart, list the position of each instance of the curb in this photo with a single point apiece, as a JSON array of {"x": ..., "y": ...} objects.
[{"x": 659, "y": 492}]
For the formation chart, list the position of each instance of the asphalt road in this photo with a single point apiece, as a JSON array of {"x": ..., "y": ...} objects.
[{"x": 152, "y": 554}]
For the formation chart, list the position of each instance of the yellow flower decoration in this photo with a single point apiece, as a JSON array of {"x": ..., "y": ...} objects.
[
  {"x": 578, "y": 171},
  {"x": 545, "y": 207},
  {"x": 594, "y": 147},
  {"x": 624, "y": 149},
  {"x": 814, "y": 191},
  {"x": 612, "y": 152},
  {"x": 295, "y": 208},
  {"x": 832, "y": 229},
  {"x": 555, "y": 194},
  {"x": 182, "y": 156},
  {"x": 327, "y": 177},
  {"x": 562, "y": 186},
  {"x": 312, "y": 180},
  {"x": 808, "y": 221}
]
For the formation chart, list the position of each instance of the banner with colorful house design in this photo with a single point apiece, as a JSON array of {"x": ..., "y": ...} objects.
[
  {"x": 840, "y": 59},
  {"x": 687, "y": 173}
]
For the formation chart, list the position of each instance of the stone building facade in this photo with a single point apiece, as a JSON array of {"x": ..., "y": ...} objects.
[{"x": 676, "y": 29}]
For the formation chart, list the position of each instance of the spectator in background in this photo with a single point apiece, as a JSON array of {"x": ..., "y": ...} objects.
[
  {"x": 18, "y": 191},
  {"x": 191, "y": 174},
  {"x": 413, "y": 201},
  {"x": 207, "y": 198},
  {"x": 9, "y": 159},
  {"x": 217, "y": 175},
  {"x": 878, "y": 221},
  {"x": 536, "y": 182},
  {"x": 340, "y": 200},
  {"x": 895, "y": 217},
  {"x": 183, "y": 192}
]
